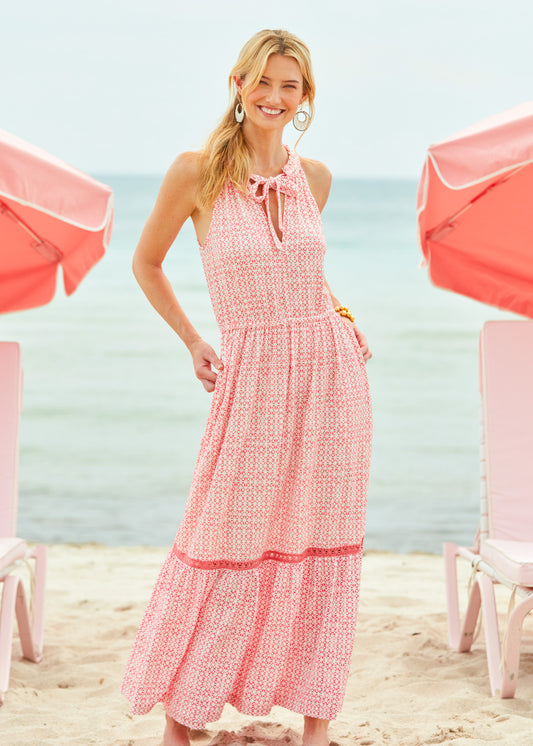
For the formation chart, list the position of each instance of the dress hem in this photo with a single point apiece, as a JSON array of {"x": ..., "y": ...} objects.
[{"x": 247, "y": 711}]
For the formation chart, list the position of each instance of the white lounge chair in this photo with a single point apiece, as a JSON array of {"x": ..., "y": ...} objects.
[
  {"x": 503, "y": 549},
  {"x": 14, "y": 551}
]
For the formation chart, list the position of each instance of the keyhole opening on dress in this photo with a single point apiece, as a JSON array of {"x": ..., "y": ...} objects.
[{"x": 273, "y": 204}]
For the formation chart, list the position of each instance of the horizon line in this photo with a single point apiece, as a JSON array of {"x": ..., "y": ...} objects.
[{"x": 160, "y": 174}]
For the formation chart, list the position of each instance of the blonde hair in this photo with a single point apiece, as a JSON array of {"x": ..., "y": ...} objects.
[{"x": 226, "y": 154}]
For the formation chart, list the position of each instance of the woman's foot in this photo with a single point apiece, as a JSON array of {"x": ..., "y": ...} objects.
[
  {"x": 315, "y": 732},
  {"x": 175, "y": 733}
]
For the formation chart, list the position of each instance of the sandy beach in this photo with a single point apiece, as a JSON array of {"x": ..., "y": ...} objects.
[{"x": 406, "y": 688}]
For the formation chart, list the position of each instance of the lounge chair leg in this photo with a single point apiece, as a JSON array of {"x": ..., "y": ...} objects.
[
  {"x": 7, "y": 618},
  {"x": 470, "y": 621},
  {"x": 492, "y": 633},
  {"x": 23, "y": 621},
  {"x": 511, "y": 651},
  {"x": 39, "y": 553},
  {"x": 14, "y": 603},
  {"x": 452, "y": 594},
  {"x": 460, "y": 638}
]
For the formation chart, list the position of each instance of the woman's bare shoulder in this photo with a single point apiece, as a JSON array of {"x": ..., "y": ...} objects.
[
  {"x": 181, "y": 181},
  {"x": 185, "y": 168},
  {"x": 315, "y": 169},
  {"x": 319, "y": 177}
]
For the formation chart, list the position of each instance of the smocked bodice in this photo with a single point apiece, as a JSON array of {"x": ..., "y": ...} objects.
[{"x": 253, "y": 278}]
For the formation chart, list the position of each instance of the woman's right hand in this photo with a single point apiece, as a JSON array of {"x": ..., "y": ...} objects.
[{"x": 203, "y": 356}]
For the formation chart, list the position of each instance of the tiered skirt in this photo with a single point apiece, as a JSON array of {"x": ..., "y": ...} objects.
[
  {"x": 256, "y": 603},
  {"x": 278, "y": 634}
]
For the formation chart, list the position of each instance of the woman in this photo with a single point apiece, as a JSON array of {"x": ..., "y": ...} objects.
[{"x": 256, "y": 603}]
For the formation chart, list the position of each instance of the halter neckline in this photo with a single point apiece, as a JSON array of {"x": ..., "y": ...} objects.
[
  {"x": 287, "y": 169},
  {"x": 260, "y": 186}
]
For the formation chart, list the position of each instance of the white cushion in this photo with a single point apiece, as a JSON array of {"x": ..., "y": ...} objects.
[{"x": 514, "y": 559}]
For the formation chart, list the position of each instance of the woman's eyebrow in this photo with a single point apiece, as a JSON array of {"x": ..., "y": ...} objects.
[{"x": 264, "y": 77}]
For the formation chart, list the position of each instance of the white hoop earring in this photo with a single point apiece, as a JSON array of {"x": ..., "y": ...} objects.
[
  {"x": 239, "y": 112},
  {"x": 301, "y": 124}
]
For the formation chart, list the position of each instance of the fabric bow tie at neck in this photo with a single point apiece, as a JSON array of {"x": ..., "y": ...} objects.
[{"x": 259, "y": 189}]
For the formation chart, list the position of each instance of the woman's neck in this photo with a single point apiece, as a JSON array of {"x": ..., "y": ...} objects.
[{"x": 268, "y": 154}]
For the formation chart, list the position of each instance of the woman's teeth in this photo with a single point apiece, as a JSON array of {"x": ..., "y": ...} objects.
[{"x": 270, "y": 111}]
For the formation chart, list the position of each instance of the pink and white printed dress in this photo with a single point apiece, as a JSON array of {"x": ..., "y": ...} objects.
[{"x": 256, "y": 602}]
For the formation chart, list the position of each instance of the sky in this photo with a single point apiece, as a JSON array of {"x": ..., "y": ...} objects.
[{"x": 123, "y": 86}]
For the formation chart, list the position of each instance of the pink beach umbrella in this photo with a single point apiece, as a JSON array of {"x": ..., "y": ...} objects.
[
  {"x": 50, "y": 214},
  {"x": 475, "y": 226}
]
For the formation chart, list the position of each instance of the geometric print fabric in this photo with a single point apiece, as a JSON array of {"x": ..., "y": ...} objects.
[{"x": 256, "y": 602}]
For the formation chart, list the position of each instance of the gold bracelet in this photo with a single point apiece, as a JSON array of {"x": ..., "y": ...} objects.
[{"x": 344, "y": 311}]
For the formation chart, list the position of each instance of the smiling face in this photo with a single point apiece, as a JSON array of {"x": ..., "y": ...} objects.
[{"x": 274, "y": 101}]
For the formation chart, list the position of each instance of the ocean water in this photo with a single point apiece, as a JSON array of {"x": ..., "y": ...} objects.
[{"x": 113, "y": 413}]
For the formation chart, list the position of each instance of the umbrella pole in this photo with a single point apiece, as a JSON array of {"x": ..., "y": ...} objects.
[{"x": 46, "y": 249}]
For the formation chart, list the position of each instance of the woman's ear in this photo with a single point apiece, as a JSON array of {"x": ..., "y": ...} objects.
[{"x": 238, "y": 82}]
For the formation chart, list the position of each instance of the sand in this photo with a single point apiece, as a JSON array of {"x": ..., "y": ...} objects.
[{"x": 406, "y": 687}]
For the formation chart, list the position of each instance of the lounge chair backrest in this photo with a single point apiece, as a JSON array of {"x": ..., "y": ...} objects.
[
  {"x": 10, "y": 407},
  {"x": 506, "y": 384}
]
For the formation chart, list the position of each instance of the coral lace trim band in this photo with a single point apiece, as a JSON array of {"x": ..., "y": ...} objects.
[{"x": 270, "y": 555}]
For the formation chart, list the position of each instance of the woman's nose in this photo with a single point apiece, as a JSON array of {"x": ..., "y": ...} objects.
[{"x": 274, "y": 96}]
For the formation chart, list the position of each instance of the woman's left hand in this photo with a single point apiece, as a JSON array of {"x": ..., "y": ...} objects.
[{"x": 363, "y": 344}]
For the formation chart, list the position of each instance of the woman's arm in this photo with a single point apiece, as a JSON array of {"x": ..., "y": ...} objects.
[{"x": 176, "y": 201}]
